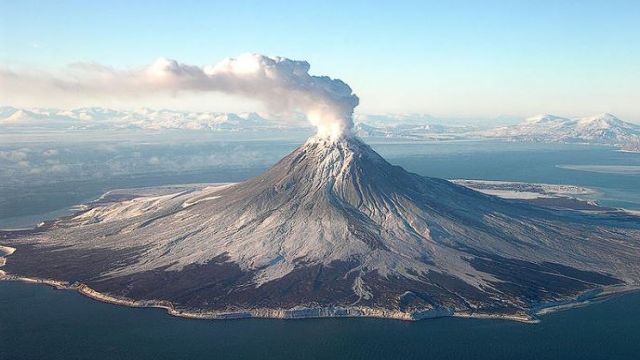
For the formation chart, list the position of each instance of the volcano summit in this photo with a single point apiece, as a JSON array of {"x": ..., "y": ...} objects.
[{"x": 332, "y": 229}]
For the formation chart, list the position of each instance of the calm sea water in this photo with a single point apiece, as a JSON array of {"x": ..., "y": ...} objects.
[{"x": 37, "y": 322}]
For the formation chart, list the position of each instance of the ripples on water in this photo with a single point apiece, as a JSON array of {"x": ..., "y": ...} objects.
[{"x": 38, "y": 322}]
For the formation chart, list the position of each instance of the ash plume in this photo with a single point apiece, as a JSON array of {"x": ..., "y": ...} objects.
[{"x": 282, "y": 85}]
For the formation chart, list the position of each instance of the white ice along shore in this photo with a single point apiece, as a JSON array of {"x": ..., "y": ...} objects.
[{"x": 521, "y": 190}]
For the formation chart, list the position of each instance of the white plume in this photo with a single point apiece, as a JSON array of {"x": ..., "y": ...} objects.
[{"x": 282, "y": 84}]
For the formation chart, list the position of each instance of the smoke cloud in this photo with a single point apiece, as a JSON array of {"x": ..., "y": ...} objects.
[{"x": 282, "y": 84}]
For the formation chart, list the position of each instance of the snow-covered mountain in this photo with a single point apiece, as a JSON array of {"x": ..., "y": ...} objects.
[
  {"x": 332, "y": 229},
  {"x": 604, "y": 129},
  {"x": 600, "y": 129},
  {"x": 390, "y": 120},
  {"x": 407, "y": 126},
  {"x": 411, "y": 131},
  {"x": 14, "y": 117},
  {"x": 99, "y": 118}
]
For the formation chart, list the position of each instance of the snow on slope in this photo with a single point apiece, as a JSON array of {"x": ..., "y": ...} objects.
[
  {"x": 412, "y": 131},
  {"x": 407, "y": 126},
  {"x": 603, "y": 129},
  {"x": 13, "y": 117},
  {"x": 599, "y": 129},
  {"x": 98, "y": 118}
]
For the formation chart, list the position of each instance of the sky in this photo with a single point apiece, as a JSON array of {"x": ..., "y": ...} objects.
[{"x": 450, "y": 59}]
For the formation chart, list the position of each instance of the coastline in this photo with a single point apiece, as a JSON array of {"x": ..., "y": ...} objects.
[
  {"x": 299, "y": 313},
  {"x": 530, "y": 317}
]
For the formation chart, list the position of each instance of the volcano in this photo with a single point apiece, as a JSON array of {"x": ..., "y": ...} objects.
[{"x": 332, "y": 229}]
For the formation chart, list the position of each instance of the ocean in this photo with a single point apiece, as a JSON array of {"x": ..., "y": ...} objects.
[{"x": 39, "y": 322}]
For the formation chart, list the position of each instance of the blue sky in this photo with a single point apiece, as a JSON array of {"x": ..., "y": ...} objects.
[{"x": 480, "y": 58}]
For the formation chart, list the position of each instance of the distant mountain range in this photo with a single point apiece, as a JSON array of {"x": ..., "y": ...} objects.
[
  {"x": 600, "y": 129},
  {"x": 603, "y": 129},
  {"x": 413, "y": 131},
  {"x": 98, "y": 118}
]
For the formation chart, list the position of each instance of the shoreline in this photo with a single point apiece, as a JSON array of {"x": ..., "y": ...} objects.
[
  {"x": 530, "y": 317},
  {"x": 300, "y": 313}
]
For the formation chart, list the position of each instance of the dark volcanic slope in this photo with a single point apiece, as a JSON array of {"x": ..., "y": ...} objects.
[{"x": 334, "y": 225}]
